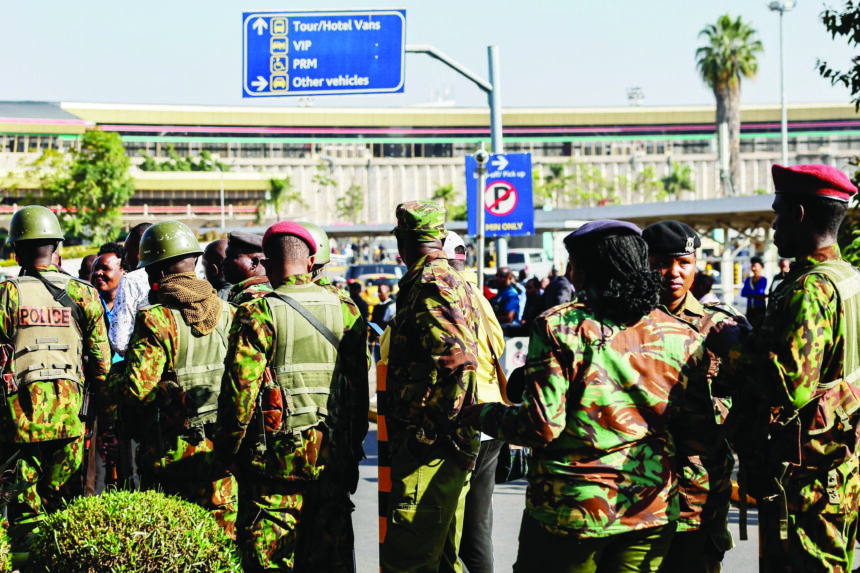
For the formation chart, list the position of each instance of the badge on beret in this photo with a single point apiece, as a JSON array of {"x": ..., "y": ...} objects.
[{"x": 671, "y": 239}]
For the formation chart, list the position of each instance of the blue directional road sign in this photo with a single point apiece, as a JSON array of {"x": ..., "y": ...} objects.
[
  {"x": 320, "y": 53},
  {"x": 507, "y": 197}
]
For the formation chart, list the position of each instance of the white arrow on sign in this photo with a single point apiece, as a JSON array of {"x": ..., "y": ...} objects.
[
  {"x": 260, "y": 83},
  {"x": 500, "y": 162},
  {"x": 259, "y": 25}
]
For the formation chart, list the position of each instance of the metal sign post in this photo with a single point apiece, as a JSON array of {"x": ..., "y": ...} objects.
[{"x": 481, "y": 171}]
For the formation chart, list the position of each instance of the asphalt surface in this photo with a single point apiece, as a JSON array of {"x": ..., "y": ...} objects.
[{"x": 508, "y": 502}]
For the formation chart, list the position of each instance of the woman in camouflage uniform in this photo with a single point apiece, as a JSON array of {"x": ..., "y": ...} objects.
[{"x": 605, "y": 377}]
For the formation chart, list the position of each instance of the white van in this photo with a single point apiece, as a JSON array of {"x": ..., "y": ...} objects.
[{"x": 533, "y": 261}]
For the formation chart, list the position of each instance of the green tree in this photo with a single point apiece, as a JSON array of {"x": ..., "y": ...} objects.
[
  {"x": 680, "y": 179},
  {"x": 729, "y": 54},
  {"x": 447, "y": 196},
  {"x": 321, "y": 178},
  {"x": 91, "y": 182},
  {"x": 845, "y": 23},
  {"x": 553, "y": 186},
  {"x": 350, "y": 204},
  {"x": 646, "y": 183},
  {"x": 280, "y": 196}
]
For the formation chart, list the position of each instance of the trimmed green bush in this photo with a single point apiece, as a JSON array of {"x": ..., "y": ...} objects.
[{"x": 132, "y": 532}]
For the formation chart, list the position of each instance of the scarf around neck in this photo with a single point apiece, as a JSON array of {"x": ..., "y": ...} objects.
[{"x": 196, "y": 300}]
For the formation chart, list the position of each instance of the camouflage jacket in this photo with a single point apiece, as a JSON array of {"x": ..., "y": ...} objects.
[
  {"x": 326, "y": 283},
  {"x": 602, "y": 464},
  {"x": 148, "y": 404},
  {"x": 432, "y": 360},
  {"x": 50, "y": 411},
  {"x": 248, "y": 290},
  {"x": 783, "y": 415},
  {"x": 705, "y": 470},
  {"x": 251, "y": 349}
]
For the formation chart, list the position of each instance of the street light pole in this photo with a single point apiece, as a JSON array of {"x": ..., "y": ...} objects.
[
  {"x": 223, "y": 220},
  {"x": 494, "y": 99},
  {"x": 782, "y": 8}
]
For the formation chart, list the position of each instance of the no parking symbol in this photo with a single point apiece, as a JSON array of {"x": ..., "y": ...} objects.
[{"x": 500, "y": 198}]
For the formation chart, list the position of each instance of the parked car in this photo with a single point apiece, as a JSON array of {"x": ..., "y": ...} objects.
[{"x": 378, "y": 269}]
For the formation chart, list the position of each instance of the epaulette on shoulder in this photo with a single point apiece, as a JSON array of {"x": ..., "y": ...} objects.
[{"x": 151, "y": 306}]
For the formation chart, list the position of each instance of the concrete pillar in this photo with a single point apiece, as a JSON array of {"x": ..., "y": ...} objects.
[
  {"x": 727, "y": 269},
  {"x": 771, "y": 257}
]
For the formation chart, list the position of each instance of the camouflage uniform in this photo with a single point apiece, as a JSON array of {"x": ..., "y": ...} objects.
[
  {"x": 171, "y": 456},
  {"x": 797, "y": 418},
  {"x": 40, "y": 421},
  {"x": 294, "y": 508},
  {"x": 602, "y": 465},
  {"x": 432, "y": 364},
  {"x": 248, "y": 290},
  {"x": 705, "y": 470}
]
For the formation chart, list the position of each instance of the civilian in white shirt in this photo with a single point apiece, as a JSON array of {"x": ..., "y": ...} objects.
[{"x": 132, "y": 294}]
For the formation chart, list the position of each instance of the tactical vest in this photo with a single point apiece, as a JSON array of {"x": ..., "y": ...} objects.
[
  {"x": 304, "y": 370},
  {"x": 48, "y": 343},
  {"x": 836, "y": 422},
  {"x": 199, "y": 366}
]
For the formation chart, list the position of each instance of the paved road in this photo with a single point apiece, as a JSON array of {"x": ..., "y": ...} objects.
[{"x": 508, "y": 506}]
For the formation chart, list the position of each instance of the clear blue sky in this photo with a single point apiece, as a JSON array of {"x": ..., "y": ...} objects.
[{"x": 553, "y": 52}]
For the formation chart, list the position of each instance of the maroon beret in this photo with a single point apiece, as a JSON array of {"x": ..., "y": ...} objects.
[
  {"x": 820, "y": 180},
  {"x": 291, "y": 228}
]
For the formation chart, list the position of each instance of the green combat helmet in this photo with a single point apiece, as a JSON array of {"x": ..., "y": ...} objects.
[
  {"x": 34, "y": 222},
  {"x": 166, "y": 240},
  {"x": 323, "y": 256}
]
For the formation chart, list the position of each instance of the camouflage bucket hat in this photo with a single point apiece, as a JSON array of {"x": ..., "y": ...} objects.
[{"x": 422, "y": 221}]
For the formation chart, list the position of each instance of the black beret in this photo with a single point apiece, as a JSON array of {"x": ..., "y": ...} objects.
[
  {"x": 248, "y": 242},
  {"x": 600, "y": 229},
  {"x": 671, "y": 239}
]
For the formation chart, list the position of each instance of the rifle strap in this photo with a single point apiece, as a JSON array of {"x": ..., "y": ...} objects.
[{"x": 330, "y": 336}]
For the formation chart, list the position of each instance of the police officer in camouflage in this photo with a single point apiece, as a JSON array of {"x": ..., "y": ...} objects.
[
  {"x": 168, "y": 384},
  {"x": 243, "y": 268},
  {"x": 286, "y": 418},
  {"x": 55, "y": 343},
  {"x": 432, "y": 364},
  {"x": 322, "y": 258},
  {"x": 605, "y": 377},
  {"x": 704, "y": 471},
  {"x": 798, "y": 416}
]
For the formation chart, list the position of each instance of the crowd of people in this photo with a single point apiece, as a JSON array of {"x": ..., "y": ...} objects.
[{"x": 247, "y": 392}]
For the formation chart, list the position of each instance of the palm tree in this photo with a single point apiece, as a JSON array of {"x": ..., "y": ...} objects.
[
  {"x": 280, "y": 196},
  {"x": 729, "y": 55}
]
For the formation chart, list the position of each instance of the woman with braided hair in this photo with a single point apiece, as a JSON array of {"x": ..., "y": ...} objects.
[{"x": 605, "y": 377}]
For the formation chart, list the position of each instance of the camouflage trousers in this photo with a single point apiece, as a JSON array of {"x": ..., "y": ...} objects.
[
  {"x": 54, "y": 470},
  {"x": 295, "y": 526},
  {"x": 822, "y": 524},
  {"x": 219, "y": 496}
]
